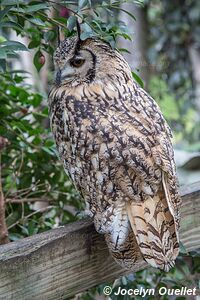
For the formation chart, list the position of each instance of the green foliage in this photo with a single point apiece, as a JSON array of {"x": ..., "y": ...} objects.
[
  {"x": 30, "y": 167},
  {"x": 182, "y": 126},
  {"x": 175, "y": 26},
  {"x": 31, "y": 20}
]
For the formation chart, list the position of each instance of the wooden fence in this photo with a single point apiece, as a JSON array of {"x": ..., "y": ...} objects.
[{"x": 62, "y": 262}]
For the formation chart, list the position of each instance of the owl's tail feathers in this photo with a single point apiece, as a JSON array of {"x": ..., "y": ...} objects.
[{"x": 155, "y": 230}]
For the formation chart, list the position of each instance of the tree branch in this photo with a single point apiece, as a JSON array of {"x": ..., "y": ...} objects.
[{"x": 3, "y": 228}]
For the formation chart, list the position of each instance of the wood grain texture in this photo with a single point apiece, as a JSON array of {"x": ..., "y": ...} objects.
[{"x": 64, "y": 261}]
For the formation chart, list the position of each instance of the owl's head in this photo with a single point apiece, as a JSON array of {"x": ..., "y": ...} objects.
[{"x": 77, "y": 62}]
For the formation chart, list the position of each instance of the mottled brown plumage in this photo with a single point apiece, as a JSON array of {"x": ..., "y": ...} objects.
[{"x": 116, "y": 147}]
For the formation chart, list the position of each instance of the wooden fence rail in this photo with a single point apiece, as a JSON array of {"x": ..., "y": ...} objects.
[{"x": 64, "y": 261}]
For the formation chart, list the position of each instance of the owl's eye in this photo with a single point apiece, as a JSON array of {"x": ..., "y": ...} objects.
[{"x": 77, "y": 62}]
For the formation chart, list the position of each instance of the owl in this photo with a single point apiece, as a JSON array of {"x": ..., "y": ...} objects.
[{"x": 116, "y": 147}]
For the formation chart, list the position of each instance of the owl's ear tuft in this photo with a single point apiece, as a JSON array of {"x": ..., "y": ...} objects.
[
  {"x": 78, "y": 27},
  {"x": 78, "y": 30},
  {"x": 58, "y": 35}
]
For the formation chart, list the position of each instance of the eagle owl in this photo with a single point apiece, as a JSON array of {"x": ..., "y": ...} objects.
[{"x": 116, "y": 147}]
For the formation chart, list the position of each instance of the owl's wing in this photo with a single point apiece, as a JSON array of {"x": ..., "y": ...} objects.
[{"x": 138, "y": 144}]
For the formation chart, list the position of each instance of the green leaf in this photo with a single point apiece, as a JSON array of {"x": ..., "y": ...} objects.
[
  {"x": 3, "y": 65},
  {"x": 13, "y": 25},
  {"x": 11, "y": 2},
  {"x": 37, "y": 21},
  {"x": 125, "y": 36},
  {"x": 86, "y": 31},
  {"x": 86, "y": 35},
  {"x": 98, "y": 25},
  {"x": 124, "y": 50},
  {"x": 82, "y": 3},
  {"x": 182, "y": 248},
  {"x": 36, "y": 60},
  {"x": 3, "y": 53},
  {"x": 125, "y": 11},
  {"x": 36, "y": 7},
  {"x": 2, "y": 39},
  {"x": 12, "y": 54},
  {"x": 36, "y": 100},
  {"x": 18, "y": 10},
  {"x": 24, "y": 230},
  {"x": 13, "y": 45},
  {"x": 47, "y": 150},
  {"x": 39, "y": 116},
  {"x": 34, "y": 44},
  {"x": 4, "y": 12},
  {"x": 15, "y": 236},
  {"x": 138, "y": 79},
  {"x": 49, "y": 35},
  {"x": 71, "y": 22},
  {"x": 68, "y": 2}
]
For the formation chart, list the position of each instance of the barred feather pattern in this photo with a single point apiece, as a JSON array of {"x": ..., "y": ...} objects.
[{"x": 116, "y": 147}]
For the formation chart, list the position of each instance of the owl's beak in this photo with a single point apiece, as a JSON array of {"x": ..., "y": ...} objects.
[
  {"x": 65, "y": 74},
  {"x": 58, "y": 77}
]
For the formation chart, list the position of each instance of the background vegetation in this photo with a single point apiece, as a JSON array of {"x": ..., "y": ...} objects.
[{"x": 37, "y": 193}]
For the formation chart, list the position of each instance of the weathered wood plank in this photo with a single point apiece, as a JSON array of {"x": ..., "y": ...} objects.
[{"x": 64, "y": 261}]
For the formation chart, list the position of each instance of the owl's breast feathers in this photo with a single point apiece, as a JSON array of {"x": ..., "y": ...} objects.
[{"x": 115, "y": 145}]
